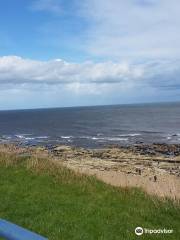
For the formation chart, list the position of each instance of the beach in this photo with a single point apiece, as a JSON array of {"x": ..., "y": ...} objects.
[{"x": 155, "y": 168}]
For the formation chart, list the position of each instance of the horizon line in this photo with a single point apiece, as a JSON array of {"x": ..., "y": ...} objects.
[{"x": 86, "y": 106}]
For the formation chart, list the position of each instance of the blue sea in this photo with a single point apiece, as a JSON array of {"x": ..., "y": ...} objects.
[{"x": 93, "y": 127}]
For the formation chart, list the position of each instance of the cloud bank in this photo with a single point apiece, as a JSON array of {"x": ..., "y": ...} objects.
[
  {"x": 17, "y": 71},
  {"x": 26, "y": 83}
]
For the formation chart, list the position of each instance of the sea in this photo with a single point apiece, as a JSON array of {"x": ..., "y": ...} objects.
[{"x": 92, "y": 127}]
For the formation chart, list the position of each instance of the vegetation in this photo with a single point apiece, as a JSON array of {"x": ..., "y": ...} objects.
[{"x": 51, "y": 200}]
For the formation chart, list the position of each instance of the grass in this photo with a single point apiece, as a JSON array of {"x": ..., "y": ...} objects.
[{"x": 46, "y": 198}]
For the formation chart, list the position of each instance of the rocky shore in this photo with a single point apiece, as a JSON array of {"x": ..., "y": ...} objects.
[
  {"x": 137, "y": 159},
  {"x": 155, "y": 167}
]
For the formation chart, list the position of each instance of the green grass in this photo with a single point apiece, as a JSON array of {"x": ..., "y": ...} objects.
[{"x": 59, "y": 204}]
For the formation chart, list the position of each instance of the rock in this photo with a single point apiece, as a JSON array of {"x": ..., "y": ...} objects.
[
  {"x": 50, "y": 146},
  {"x": 156, "y": 149},
  {"x": 62, "y": 148},
  {"x": 98, "y": 154}
]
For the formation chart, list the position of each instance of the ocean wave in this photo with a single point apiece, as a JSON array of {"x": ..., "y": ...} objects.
[
  {"x": 20, "y": 136},
  {"x": 169, "y": 138},
  {"x": 109, "y": 138},
  {"x": 98, "y": 138},
  {"x": 42, "y": 137},
  {"x": 24, "y": 137},
  {"x": 130, "y": 135},
  {"x": 29, "y": 138},
  {"x": 66, "y": 137},
  {"x": 6, "y": 137},
  {"x": 172, "y": 136},
  {"x": 84, "y": 137}
]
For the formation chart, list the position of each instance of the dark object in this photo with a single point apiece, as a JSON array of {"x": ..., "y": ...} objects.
[
  {"x": 155, "y": 178},
  {"x": 139, "y": 171}
]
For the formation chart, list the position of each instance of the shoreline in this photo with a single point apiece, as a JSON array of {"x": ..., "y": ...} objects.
[
  {"x": 155, "y": 167},
  {"x": 92, "y": 141}
]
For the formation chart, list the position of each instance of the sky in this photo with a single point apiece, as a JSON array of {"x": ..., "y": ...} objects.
[{"x": 58, "y": 53}]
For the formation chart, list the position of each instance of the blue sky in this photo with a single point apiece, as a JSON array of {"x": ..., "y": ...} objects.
[
  {"x": 33, "y": 30},
  {"x": 57, "y": 53}
]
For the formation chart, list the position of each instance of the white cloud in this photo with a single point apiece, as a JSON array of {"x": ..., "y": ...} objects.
[
  {"x": 118, "y": 29},
  {"x": 133, "y": 29},
  {"x": 16, "y": 70},
  {"x": 87, "y": 77}
]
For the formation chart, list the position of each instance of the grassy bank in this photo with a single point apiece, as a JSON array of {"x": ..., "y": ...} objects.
[{"x": 42, "y": 196}]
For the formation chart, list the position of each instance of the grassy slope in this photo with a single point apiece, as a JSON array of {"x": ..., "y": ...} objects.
[{"x": 66, "y": 206}]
